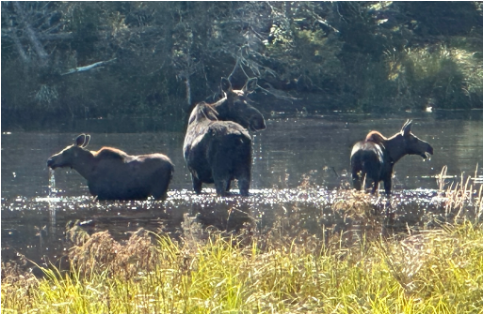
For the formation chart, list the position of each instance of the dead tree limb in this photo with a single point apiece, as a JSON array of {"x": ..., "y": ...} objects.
[
  {"x": 88, "y": 67},
  {"x": 31, "y": 34}
]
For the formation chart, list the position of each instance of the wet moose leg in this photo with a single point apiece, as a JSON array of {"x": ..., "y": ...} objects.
[
  {"x": 356, "y": 180},
  {"x": 197, "y": 185},
  {"x": 387, "y": 183}
]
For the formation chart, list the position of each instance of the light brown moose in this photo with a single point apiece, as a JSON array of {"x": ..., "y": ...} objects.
[{"x": 112, "y": 174}]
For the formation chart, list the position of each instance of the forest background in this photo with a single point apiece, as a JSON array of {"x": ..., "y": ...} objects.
[{"x": 93, "y": 60}]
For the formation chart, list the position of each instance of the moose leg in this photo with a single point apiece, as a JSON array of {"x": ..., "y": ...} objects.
[
  {"x": 375, "y": 187},
  {"x": 227, "y": 188},
  {"x": 197, "y": 185},
  {"x": 221, "y": 178},
  {"x": 220, "y": 186},
  {"x": 159, "y": 191},
  {"x": 371, "y": 182},
  {"x": 355, "y": 177},
  {"x": 373, "y": 175},
  {"x": 244, "y": 185},
  {"x": 387, "y": 183},
  {"x": 221, "y": 171},
  {"x": 161, "y": 180},
  {"x": 243, "y": 179}
]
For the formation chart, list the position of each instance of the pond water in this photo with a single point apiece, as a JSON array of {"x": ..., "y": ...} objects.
[{"x": 292, "y": 156}]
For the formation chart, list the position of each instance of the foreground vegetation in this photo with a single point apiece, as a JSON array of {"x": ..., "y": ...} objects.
[
  {"x": 434, "y": 272},
  {"x": 360, "y": 270}
]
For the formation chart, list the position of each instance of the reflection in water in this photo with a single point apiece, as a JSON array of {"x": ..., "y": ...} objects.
[
  {"x": 52, "y": 189},
  {"x": 52, "y": 203},
  {"x": 307, "y": 210},
  {"x": 300, "y": 173}
]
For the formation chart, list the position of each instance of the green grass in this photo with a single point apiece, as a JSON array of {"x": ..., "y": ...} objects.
[
  {"x": 437, "y": 271},
  {"x": 363, "y": 268}
]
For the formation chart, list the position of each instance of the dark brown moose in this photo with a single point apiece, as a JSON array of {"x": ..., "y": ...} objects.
[
  {"x": 114, "y": 175},
  {"x": 376, "y": 155},
  {"x": 217, "y": 147}
]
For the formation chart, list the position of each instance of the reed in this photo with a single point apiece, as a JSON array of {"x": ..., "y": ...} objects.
[
  {"x": 286, "y": 269},
  {"x": 435, "y": 271}
]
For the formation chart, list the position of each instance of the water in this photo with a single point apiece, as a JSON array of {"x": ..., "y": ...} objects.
[{"x": 290, "y": 158}]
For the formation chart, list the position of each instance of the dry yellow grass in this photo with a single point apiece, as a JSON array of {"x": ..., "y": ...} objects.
[{"x": 438, "y": 269}]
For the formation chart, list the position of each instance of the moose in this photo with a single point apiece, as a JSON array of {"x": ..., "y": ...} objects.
[
  {"x": 114, "y": 175},
  {"x": 217, "y": 146},
  {"x": 373, "y": 159}
]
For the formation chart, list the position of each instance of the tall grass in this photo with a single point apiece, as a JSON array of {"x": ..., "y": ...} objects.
[
  {"x": 462, "y": 197},
  {"x": 438, "y": 269}
]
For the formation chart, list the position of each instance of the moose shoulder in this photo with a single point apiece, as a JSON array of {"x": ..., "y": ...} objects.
[
  {"x": 112, "y": 174},
  {"x": 217, "y": 146},
  {"x": 373, "y": 159}
]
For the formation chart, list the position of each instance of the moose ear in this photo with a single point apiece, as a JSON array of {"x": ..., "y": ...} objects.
[
  {"x": 225, "y": 84},
  {"x": 88, "y": 139},
  {"x": 250, "y": 86},
  {"x": 406, "y": 128},
  {"x": 80, "y": 140}
]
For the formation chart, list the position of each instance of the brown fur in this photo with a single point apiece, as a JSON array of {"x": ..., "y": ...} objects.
[
  {"x": 112, "y": 174},
  {"x": 373, "y": 158},
  {"x": 375, "y": 137},
  {"x": 217, "y": 146},
  {"x": 110, "y": 152}
]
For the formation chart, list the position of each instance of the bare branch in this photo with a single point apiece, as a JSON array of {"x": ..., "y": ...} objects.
[
  {"x": 87, "y": 67},
  {"x": 278, "y": 93},
  {"x": 39, "y": 49},
  {"x": 20, "y": 48},
  {"x": 189, "y": 90},
  {"x": 237, "y": 63},
  {"x": 11, "y": 32}
]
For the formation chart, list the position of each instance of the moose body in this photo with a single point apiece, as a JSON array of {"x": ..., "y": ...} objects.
[
  {"x": 112, "y": 174},
  {"x": 217, "y": 146},
  {"x": 373, "y": 159}
]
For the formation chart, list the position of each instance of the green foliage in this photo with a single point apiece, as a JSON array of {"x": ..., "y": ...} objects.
[
  {"x": 320, "y": 55},
  {"x": 437, "y": 271},
  {"x": 84, "y": 22},
  {"x": 448, "y": 77}
]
